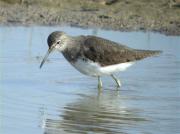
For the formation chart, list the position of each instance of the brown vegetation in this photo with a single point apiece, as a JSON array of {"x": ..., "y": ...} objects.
[{"x": 154, "y": 15}]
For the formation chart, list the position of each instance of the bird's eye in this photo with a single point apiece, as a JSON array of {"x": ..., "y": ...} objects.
[{"x": 58, "y": 42}]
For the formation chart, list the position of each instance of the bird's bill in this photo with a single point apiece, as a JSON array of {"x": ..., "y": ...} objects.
[{"x": 46, "y": 56}]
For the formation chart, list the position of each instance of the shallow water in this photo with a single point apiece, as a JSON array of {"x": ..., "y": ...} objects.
[{"x": 58, "y": 99}]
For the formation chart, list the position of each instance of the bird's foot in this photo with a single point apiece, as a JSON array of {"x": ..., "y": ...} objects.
[
  {"x": 99, "y": 83},
  {"x": 117, "y": 81}
]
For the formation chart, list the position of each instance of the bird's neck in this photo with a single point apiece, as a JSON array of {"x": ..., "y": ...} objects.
[
  {"x": 72, "y": 48},
  {"x": 67, "y": 42}
]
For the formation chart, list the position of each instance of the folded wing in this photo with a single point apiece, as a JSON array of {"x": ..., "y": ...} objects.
[{"x": 107, "y": 52}]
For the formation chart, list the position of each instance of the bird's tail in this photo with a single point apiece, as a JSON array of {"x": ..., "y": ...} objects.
[{"x": 140, "y": 54}]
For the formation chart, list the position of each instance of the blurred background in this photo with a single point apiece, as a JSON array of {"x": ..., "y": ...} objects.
[{"x": 155, "y": 15}]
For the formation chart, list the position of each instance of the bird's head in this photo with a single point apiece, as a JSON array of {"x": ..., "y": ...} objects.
[{"x": 56, "y": 40}]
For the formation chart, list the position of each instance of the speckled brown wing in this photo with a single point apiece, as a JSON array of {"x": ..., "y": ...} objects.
[{"x": 107, "y": 52}]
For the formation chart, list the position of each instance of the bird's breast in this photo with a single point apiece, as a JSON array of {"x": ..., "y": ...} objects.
[{"x": 94, "y": 69}]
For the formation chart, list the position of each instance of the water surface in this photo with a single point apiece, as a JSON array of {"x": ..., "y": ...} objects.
[{"x": 58, "y": 99}]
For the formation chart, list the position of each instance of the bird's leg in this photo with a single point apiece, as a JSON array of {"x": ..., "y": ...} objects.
[
  {"x": 99, "y": 83},
  {"x": 116, "y": 80}
]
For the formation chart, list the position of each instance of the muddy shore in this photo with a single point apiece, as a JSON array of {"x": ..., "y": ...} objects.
[{"x": 123, "y": 15}]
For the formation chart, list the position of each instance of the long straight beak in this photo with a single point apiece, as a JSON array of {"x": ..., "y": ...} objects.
[{"x": 46, "y": 56}]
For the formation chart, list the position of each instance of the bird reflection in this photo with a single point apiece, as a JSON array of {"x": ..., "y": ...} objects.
[{"x": 103, "y": 113}]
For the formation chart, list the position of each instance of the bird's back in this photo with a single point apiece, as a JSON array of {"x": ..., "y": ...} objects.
[{"x": 107, "y": 52}]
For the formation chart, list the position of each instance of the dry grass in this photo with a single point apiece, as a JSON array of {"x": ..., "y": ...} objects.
[{"x": 143, "y": 13}]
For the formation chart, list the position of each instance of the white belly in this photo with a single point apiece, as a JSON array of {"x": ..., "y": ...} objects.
[{"x": 94, "y": 69}]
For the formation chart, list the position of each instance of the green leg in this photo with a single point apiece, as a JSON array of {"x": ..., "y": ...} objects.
[
  {"x": 99, "y": 83},
  {"x": 116, "y": 80}
]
